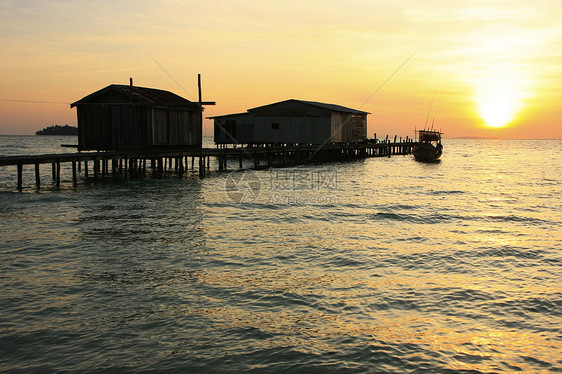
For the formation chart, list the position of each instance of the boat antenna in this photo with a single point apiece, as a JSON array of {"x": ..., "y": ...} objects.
[{"x": 430, "y": 105}]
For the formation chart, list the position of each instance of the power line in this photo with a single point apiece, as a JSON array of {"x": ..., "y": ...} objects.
[
  {"x": 387, "y": 79},
  {"x": 34, "y": 101},
  {"x": 365, "y": 103},
  {"x": 170, "y": 75}
]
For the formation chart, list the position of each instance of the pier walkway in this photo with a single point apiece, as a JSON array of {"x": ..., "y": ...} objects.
[{"x": 136, "y": 162}]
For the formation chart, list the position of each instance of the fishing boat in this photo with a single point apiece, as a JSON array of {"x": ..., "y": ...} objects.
[{"x": 429, "y": 147}]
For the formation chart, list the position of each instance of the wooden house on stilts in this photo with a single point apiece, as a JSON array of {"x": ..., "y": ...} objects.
[
  {"x": 292, "y": 122},
  {"x": 121, "y": 117}
]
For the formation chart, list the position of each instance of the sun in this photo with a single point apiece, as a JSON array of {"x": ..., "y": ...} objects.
[
  {"x": 498, "y": 107},
  {"x": 500, "y": 93}
]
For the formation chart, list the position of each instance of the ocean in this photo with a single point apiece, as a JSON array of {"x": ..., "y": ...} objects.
[{"x": 378, "y": 265}]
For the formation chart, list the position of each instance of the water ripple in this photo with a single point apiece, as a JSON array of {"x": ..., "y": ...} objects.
[{"x": 401, "y": 267}]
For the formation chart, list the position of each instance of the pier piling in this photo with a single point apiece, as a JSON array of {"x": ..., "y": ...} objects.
[
  {"x": 57, "y": 180},
  {"x": 74, "y": 176},
  {"x": 37, "y": 176},
  {"x": 20, "y": 176}
]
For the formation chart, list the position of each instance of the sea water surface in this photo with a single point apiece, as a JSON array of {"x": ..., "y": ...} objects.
[{"x": 379, "y": 265}]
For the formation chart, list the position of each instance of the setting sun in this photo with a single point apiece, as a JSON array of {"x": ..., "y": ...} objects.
[
  {"x": 497, "y": 108},
  {"x": 499, "y": 95}
]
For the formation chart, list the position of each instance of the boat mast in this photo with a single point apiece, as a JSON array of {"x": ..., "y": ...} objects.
[{"x": 429, "y": 111}]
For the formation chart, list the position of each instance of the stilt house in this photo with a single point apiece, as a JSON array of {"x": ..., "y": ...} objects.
[
  {"x": 292, "y": 122},
  {"x": 121, "y": 117}
]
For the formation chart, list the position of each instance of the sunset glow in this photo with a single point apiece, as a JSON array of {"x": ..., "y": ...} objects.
[
  {"x": 499, "y": 99},
  {"x": 489, "y": 61}
]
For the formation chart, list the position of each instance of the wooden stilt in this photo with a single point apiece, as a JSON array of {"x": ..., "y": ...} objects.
[
  {"x": 160, "y": 166},
  {"x": 74, "y": 179},
  {"x": 201, "y": 167},
  {"x": 96, "y": 168},
  {"x": 57, "y": 181},
  {"x": 37, "y": 176},
  {"x": 20, "y": 176}
]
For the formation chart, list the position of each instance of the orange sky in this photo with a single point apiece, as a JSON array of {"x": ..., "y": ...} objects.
[{"x": 493, "y": 68}]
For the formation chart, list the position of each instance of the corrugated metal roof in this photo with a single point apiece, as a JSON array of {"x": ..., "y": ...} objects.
[
  {"x": 330, "y": 107},
  {"x": 145, "y": 95},
  {"x": 335, "y": 108}
]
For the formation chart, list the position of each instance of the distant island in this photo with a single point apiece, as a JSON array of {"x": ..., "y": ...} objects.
[
  {"x": 58, "y": 130},
  {"x": 476, "y": 138}
]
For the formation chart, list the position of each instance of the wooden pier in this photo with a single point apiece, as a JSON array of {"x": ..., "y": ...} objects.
[{"x": 101, "y": 164}]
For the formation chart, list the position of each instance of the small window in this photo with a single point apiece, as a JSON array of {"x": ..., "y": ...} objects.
[{"x": 275, "y": 126}]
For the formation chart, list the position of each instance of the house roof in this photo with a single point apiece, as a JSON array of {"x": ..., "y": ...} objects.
[
  {"x": 120, "y": 94},
  {"x": 325, "y": 106},
  {"x": 330, "y": 107}
]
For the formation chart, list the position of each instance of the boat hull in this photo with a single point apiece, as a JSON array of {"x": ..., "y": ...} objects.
[{"x": 427, "y": 152}]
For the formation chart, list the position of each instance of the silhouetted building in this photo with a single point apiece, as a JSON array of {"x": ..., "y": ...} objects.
[
  {"x": 292, "y": 122},
  {"x": 120, "y": 117}
]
